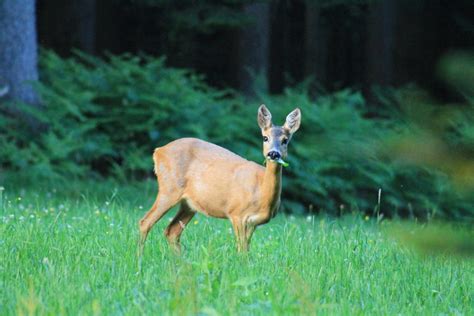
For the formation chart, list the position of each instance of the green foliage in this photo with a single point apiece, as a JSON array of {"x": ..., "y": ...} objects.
[
  {"x": 73, "y": 251},
  {"x": 106, "y": 118},
  {"x": 109, "y": 116}
]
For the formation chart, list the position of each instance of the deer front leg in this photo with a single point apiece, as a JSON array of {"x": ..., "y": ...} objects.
[
  {"x": 243, "y": 230},
  {"x": 249, "y": 230}
]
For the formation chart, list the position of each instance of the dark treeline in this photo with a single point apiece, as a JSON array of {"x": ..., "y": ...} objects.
[{"x": 339, "y": 43}]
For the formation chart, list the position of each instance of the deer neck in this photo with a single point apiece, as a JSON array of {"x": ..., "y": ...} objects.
[{"x": 271, "y": 186}]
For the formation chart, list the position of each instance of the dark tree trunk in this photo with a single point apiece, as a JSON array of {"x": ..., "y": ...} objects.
[
  {"x": 18, "y": 50},
  {"x": 254, "y": 46},
  {"x": 316, "y": 52},
  {"x": 85, "y": 14},
  {"x": 287, "y": 48},
  {"x": 381, "y": 44},
  {"x": 277, "y": 48}
]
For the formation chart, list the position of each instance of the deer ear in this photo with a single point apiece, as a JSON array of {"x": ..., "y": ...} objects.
[
  {"x": 293, "y": 121},
  {"x": 264, "y": 117}
]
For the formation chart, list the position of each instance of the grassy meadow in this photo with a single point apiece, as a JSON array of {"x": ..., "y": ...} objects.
[{"x": 71, "y": 250}]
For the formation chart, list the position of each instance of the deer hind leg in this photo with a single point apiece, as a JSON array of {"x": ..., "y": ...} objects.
[
  {"x": 177, "y": 225},
  {"x": 163, "y": 203}
]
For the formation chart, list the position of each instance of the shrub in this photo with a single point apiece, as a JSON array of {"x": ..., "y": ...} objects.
[
  {"x": 104, "y": 118},
  {"x": 107, "y": 117}
]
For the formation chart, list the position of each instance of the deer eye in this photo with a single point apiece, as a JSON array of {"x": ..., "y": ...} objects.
[
  {"x": 265, "y": 138},
  {"x": 284, "y": 141}
]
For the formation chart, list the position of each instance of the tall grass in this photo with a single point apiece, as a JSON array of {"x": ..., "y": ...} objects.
[{"x": 72, "y": 250}]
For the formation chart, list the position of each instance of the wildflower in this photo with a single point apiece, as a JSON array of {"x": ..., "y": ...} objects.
[
  {"x": 19, "y": 198},
  {"x": 196, "y": 222},
  {"x": 366, "y": 217}
]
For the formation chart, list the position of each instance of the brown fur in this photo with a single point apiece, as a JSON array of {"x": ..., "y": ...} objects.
[{"x": 209, "y": 179}]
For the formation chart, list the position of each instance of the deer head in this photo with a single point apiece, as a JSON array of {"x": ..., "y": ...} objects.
[{"x": 277, "y": 138}]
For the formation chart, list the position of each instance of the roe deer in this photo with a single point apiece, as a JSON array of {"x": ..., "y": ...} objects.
[{"x": 211, "y": 180}]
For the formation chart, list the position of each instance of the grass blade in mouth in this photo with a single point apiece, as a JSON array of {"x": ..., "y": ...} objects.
[{"x": 279, "y": 161}]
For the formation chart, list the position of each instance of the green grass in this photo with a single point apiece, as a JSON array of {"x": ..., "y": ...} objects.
[{"x": 72, "y": 250}]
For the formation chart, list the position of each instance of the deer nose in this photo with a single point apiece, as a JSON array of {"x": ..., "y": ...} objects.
[{"x": 274, "y": 155}]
